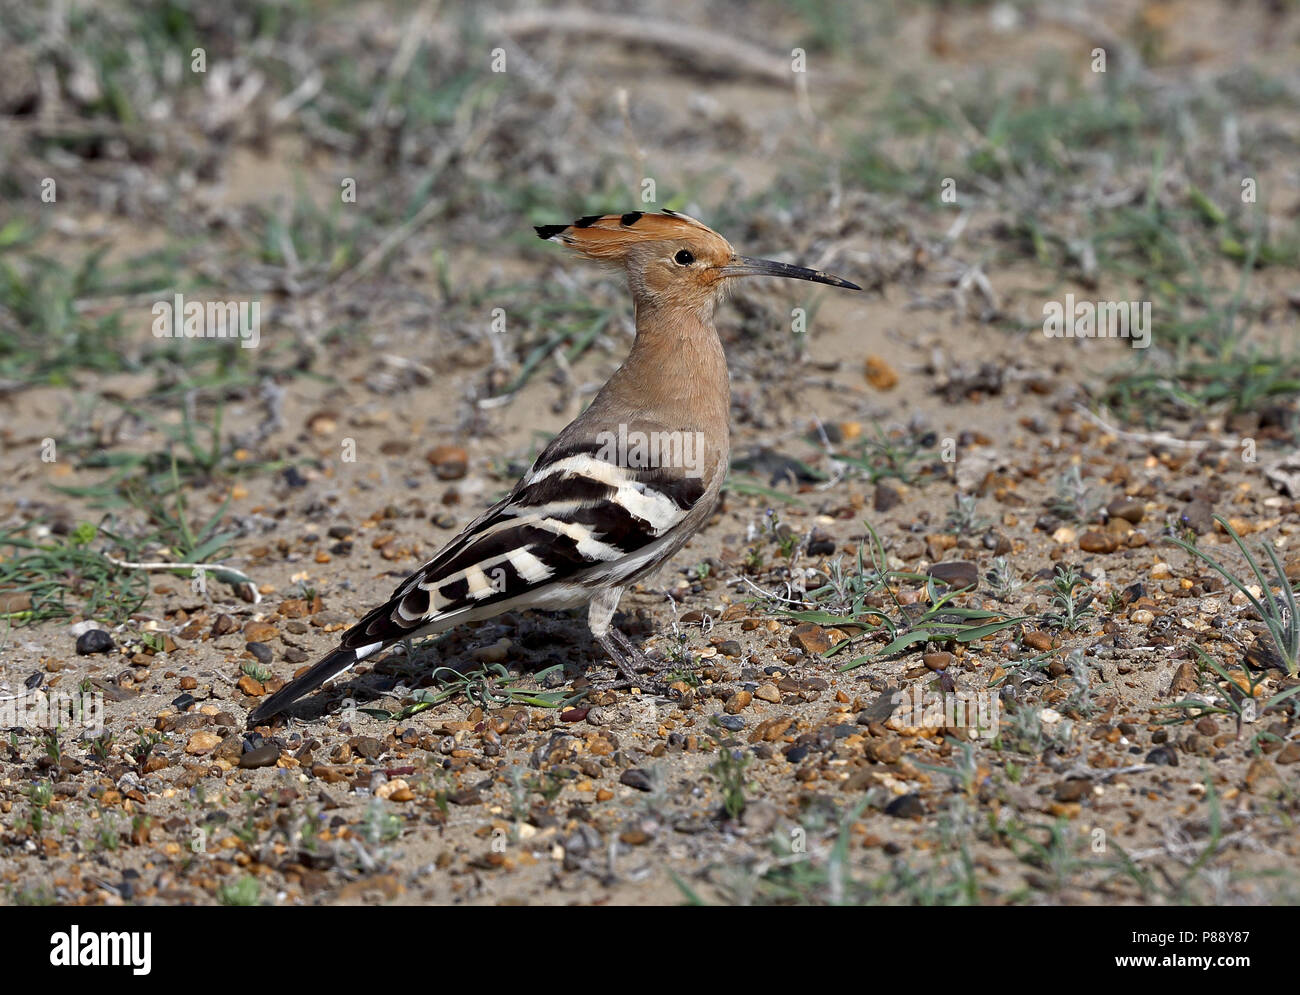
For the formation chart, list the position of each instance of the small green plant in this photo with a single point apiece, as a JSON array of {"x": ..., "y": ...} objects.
[
  {"x": 1072, "y": 599},
  {"x": 1238, "y": 697},
  {"x": 64, "y": 576},
  {"x": 109, "y": 837},
  {"x": 518, "y": 788},
  {"x": 33, "y": 897},
  {"x": 1022, "y": 730},
  {"x": 39, "y": 794},
  {"x": 145, "y": 744},
  {"x": 681, "y": 660},
  {"x": 965, "y": 770},
  {"x": 246, "y": 831},
  {"x": 889, "y": 456},
  {"x": 1002, "y": 579},
  {"x": 942, "y": 622},
  {"x": 1278, "y": 611},
  {"x": 1079, "y": 701},
  {"x": 101, "y": 746},
  {"x": 828, "y": 875},
  {"x": 309, "y": 832},
  {"x": 256, "y": 671},
  {"x": 244, "y": 892},
  {"x": 1074, "y": 500},
  {"x": 548, "y": 784},
  {"x": 488, "y": 686},
  {"x": 1057, "y": 851},
  {"x": 685, "y": 675},
  {"x": 53, "y": 749},
  {"x": 963, "y": 517},
  {"x": 729, "y": 769},
  {"x": 381, "y": 824},
  {"x": 785, "y": 538},
  {"x": 441, "y": 791}
]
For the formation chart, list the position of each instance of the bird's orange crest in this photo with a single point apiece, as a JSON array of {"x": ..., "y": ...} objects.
[{"x": 609, "y": 237}]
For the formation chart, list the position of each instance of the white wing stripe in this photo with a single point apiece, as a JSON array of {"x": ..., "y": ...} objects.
[
  {"x": 588, "y": 546},
  {"x": 528, "y": 566},
  {"x": 657, "y": 510},
  {"x": 584, "y": 466},
  {"x": 479, "y": 585}
]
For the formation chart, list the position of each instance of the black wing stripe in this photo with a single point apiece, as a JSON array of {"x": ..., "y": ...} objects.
[
  {"x": 414, "y": 604},
  {"x": 555, "y": 525},
  {"x": 615, "y": 525},
  {"x": 455, "y": 592},
  {"x": 560, "y": 487},
  {"x": 557, "y": 551},
  {"x": 684, "y": 491}
]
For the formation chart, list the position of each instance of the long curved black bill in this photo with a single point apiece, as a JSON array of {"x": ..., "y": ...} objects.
[{"x": 747, "y": 266}]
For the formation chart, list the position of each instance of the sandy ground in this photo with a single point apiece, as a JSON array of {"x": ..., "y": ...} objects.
[{"x": 1086, "y": 794}]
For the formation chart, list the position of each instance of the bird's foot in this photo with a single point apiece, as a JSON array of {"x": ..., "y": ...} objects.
[{"x": 627, "y": 658}]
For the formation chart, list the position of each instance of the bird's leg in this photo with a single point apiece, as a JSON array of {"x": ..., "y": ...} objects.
[
  {"x": 643, "y": 662},
  {"x": 621, "y": 660},
  {"x": 626, "y": 657}
]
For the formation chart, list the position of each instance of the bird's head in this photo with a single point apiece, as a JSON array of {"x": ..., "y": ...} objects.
[{"x": 671, "y": 259}]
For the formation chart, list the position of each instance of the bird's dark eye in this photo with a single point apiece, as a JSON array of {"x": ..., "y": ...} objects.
[{"x": 683, "y": 257}]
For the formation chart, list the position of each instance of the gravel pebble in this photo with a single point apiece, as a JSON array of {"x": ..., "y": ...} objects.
[
  {"x": 956, "y": 573},
  {"x": 94, "y": 641},
  {"x": 202, "y": 742},
  {"x": 264, "y": 756},
  {"x": 1163, "y": 756},
  {"x": 635, "y": 777},
  {"x": 261, "y": 651},
  {"x": 907, "y": 806}
]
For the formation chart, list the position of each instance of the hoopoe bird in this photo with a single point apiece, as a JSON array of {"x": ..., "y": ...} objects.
[{"x": 621, "y": 488}]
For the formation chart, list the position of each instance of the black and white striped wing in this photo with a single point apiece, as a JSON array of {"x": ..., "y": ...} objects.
[{"x": 575, "y": 523}]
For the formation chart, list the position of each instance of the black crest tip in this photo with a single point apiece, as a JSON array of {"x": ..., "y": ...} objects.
[
  {"x": 630, "y": 218},
  {"x": 548, "y": 231}
]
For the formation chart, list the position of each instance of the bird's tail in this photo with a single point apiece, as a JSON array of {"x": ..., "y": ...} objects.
[{"x": 334, "y": 663}]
